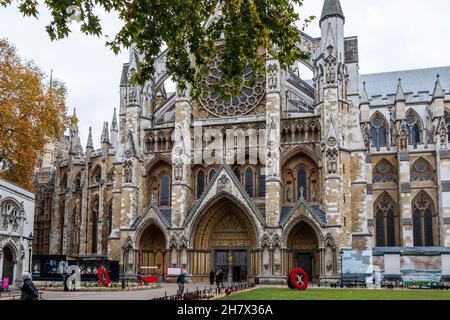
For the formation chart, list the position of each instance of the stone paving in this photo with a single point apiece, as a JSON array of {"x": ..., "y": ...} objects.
[{"x": 166, "y": 288}]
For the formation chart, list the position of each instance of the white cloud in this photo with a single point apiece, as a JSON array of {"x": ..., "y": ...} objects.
[{"x": 393, "y": 35}]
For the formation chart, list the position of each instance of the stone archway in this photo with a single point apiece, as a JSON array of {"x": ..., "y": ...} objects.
[
  {"x": 151, "y": 250},
  {"x": 8, "y": 264},
  {"x": 303, "y": 244},
  {"x": 224, "y": 237}
]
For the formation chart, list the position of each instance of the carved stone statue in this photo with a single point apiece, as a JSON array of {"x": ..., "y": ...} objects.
[
  {"x": 332, "y": 164},
  {"x": 289, "y": 193},
  {"x": 403, "y": 141},
  {"x": 128, "y": 171}
]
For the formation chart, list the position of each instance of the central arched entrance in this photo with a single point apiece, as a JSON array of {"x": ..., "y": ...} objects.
[
  {"x": 303, "y": 250},
  {"x": 152, "y": 250},
  {"x": 8, "y": 264},
  {"x": 224, "y": 238}
]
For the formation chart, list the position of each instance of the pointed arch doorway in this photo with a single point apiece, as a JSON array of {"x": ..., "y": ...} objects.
[
  {"x": 151, "y": 250},
  {"x": 224, "y": 238},
  {"x": 8, "y": 264},
  {"x": 303, "y": 250}
]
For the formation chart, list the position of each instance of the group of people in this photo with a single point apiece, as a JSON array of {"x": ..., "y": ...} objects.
[{"x": 218, "y": 277}]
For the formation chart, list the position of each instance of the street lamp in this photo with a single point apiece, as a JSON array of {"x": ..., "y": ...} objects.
[
  {"x": 124, "y": 263},
  {"x": 30, "y": 247},
  {"x": 341, "y": 255}
]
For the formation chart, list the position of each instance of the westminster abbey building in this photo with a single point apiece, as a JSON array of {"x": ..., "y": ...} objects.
[{"x": 344, "y": 175}]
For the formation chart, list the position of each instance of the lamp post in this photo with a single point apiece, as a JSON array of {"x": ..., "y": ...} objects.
[
  {"x": 124, "y": 264},
  {"x": 30, "y": 247},
  {"x": 341, "y": 255}
]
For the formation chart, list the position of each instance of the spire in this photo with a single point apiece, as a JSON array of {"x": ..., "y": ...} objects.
[
  {"x": 114, "y": 122},
  {"x": 364, "y": 96},
  {"x": 105, "y": 133},
  {"x": 73, "y": 118},
  {"x": 438, "y": 92},
  {"x": 332, "y": 8},
  {"x": 77, "y": 149},
  {"x": 400, "y": 95},
  {"x": 89, "y": 142}
]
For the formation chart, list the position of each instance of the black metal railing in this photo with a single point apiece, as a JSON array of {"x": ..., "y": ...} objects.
[{"x": 207, "y": 293}]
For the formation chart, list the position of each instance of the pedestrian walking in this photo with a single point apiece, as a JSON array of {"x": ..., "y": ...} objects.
[
  {"x": 211, "y": 277},
  {"x": 181, "y": 280},
  {"x": 28, "y": 289},
  {"x": 220, "y": 278}
]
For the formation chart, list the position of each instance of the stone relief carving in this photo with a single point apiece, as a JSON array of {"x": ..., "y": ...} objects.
[
  {"x": 330, "y": 67},
  {"x": 11, "y": 216},
  {"x": 366, "y": 137},
  {"x": 179, "y": 155},
  {"x": 332, "y": 161},
  {"x": 273, "y": 153},
  {"x": 443, "y": 132},
  {"x": 132, "y": 88},
  {"x": 272, "y": 76},
  {"x": 222, "y": 183}
]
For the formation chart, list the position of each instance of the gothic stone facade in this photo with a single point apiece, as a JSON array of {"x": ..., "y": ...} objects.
[
  {"x": 16, "y": 226},
  {"x": 354, "y": 177}
]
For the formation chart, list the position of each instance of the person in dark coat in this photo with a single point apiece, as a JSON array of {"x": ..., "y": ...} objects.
[
  {"x": 181, "y": 280},
  {"x": 211, "y": 277},
  {"x": 219, "y": 278},
  {"x": 28, "y": 289}
]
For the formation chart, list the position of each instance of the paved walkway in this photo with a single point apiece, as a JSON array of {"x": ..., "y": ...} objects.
[{"x": 166, "y": 288}]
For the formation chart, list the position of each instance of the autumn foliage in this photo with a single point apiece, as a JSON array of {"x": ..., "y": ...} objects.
[{"x": 31, "y": 113}]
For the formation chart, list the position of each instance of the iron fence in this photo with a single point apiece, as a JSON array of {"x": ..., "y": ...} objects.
[{"x": 207, "y": 293}]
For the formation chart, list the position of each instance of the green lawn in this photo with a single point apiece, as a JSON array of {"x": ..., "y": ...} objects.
[{"x": 338, "y": 294}]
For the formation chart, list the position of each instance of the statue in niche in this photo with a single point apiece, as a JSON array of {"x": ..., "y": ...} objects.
[
  {"x": 128, "y": 171},
  {"x": 289, "y": 193},
  {"x": 443, "y": 137},
  {"x": 313, "y": 192},
  {"x": 332, "y": 164},
  {"x": 403, "y": 141}
]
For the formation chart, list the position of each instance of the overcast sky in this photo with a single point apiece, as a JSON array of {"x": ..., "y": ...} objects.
[{"x": 393, "y": 35}]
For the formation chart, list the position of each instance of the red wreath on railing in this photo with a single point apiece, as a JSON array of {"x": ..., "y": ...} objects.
[
  {"x": 298, "y": 279},
  {"x": 103, "y": 276}
]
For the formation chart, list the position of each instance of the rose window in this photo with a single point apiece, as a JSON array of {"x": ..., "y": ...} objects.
[{"x": 251, "y": 94}]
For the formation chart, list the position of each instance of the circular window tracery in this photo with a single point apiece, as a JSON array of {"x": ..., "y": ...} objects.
[{"x": 250, "y": 94}]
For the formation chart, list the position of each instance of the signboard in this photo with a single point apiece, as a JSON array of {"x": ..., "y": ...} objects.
[
  {"x": 174, "y": 271},
  {"x": 5, "y": 283}
]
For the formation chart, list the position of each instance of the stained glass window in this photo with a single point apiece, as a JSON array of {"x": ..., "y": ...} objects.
[
  {"x": 421, "y": 171},
  {"x": 385, "y": 226},
  {"x": 262, "y": 182},
  {"x": 249, "y": 181},
  {"x": 378, "y": 131},
  {"x": 384, "y": 173},
  {"x": 423, "y": 221},
  {"x": 165, "y": 190},
  {"x": 95, "y": 210},
  {"x": 237, "y": 173},
  {"x": 302, "y": 184},
  {"x": 200, "y": 183},
  {"x": 413, "y": 122}
]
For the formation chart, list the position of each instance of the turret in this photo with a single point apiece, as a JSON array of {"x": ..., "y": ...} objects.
[
  {"x": 438, "y": 100},
  {"x": 332, "y": 25},
  {"x": 400, "y": 102}
]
